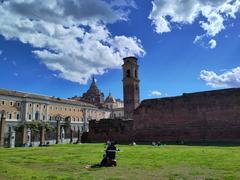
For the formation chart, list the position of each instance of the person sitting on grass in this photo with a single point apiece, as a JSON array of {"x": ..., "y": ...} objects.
[{"x": 108, "y": 157}]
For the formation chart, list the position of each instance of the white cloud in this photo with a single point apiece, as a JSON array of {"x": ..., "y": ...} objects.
[
  {"x": 71, "y": 37},
  {"x": 230, "y": 78},
  {"x": 166, "y": 14},
  {"x": 123, "y": 3},
  {"x": 212, "y": 43},
  {"x": 204, "y": 42},
  {"x": 155, "y": 93},
  {"x": 15, "y": 74}
]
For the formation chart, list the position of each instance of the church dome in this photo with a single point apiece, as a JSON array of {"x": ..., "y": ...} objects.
[
  {"x": 93, "y": 88},
  {"x": 110, "y": 99},
  {"x": 93, "y": 94}
]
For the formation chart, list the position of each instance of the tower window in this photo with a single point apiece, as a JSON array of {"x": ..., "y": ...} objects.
[
  {"x": 136, "y": 75},
  {"x": 18, "y": 117},
  {"x": 128, "y": 73},
  {"x": 10, "y": 116}
]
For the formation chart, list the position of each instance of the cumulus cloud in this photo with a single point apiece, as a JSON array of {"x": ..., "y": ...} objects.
[
  {"x": 166, "y": 14},
  {"x": 230, "y": 78},
  {"x": 204, "y": 42},
  {"x": 155, "y": 93},
  {"x": 71, "y": 37},
  {"x": 212, "y": 43}
]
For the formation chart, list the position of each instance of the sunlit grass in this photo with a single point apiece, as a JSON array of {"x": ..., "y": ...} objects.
[{"x": 134, "y": 162}]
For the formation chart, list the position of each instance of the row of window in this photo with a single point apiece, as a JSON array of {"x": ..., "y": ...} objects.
[
  {"x": 65, "y": 109},
  {"x": 37, "y": 116},
  {"x": 51, "y": 118},
  {"x": 11, "y": 103},
  {"x": 18, "y": 104},
  {"x": 75, "y": 119},
  {"x": 10, "y": 116},
  {"x": 44, "y": 106},
  {"x": 57, "y": 108}
]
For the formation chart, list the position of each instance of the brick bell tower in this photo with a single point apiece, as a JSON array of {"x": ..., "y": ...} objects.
[{"x": 130, "y": 86}]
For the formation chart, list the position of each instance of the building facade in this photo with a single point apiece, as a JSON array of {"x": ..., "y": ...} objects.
[
  {"x": 113, "y": 108},
  {"x": 116, "y": 107},
  {"x": 23, "y": 108}
]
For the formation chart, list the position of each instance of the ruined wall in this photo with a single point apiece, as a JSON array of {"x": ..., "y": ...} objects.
[
  {"x": 110, "y": 129},
  {"x": 204, "y": 116}
]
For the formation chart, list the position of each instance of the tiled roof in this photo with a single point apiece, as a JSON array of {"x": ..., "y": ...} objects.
[{"x": 42, "y": 97}]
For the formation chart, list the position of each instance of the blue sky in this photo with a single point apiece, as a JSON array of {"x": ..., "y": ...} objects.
[{"x": 181, "y": 46}]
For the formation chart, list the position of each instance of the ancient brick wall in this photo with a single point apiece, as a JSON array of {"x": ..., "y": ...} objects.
[
  {"x": 110, "y": 129},
  {"x": 204, "y": 116}
]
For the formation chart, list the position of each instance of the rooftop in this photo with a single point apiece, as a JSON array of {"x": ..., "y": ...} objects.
[{"x": 42, "y": 97}]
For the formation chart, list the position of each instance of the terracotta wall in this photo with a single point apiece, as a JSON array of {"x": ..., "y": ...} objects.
[
  {"x": 110, "y": 129},
  {"x": 204, "y": 116}
]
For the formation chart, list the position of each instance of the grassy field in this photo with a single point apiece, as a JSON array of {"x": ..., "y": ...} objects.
[{"x": 135, "y": 162}]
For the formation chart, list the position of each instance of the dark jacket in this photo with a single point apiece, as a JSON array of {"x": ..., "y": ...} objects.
[{"x": 111, "y": 151}]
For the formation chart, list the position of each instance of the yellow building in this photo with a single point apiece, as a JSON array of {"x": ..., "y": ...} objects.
[{"x": 21, "y": 107}]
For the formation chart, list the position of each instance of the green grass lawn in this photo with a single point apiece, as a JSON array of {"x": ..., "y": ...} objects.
[{"x": 135, "y": 162}]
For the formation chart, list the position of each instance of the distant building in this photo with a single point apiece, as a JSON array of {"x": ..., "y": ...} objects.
[
  {"x": 93, "y": 94},
  {"x": 115, "y": 105},
  {"x": 23, "y": 108},
  {"x": 96, "y": 97}
]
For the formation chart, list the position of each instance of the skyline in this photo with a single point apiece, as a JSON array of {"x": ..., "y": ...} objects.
[{"x": 187, "y": 47}]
